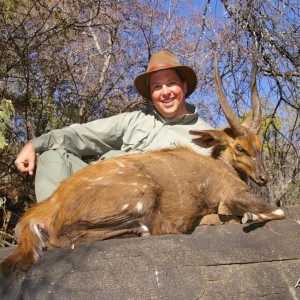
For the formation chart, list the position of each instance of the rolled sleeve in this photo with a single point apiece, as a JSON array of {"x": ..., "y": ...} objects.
[{"x": 96, "y": 137}]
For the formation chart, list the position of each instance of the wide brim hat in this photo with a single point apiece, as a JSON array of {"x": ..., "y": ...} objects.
[{"x": 163, "y": 60}]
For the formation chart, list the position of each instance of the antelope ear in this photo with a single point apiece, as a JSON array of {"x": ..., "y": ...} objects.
[{"x": 209, "y": 138}]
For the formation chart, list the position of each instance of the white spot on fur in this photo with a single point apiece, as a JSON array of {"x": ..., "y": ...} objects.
[
  {"x": 120, "y": 173},
  {"x": 120, "y": 164},
  {"x": 203, "y": 185},
  {"x": 134, "y": 183},
  {"x": 139, "y": 206},
  {"x": 91, "y": 179},
  {"x": 155, "y": 185},
  {"x": 279, "y": 212},
  {"x": 35, "y": 228},
  {"x": 125, "y": 206},
  {"x": 145, "y": 186}
]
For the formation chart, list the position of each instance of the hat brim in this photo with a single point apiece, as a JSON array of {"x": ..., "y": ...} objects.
[{"x": 186, "y": 73}]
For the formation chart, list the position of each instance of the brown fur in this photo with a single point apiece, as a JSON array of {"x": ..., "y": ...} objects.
[{"x": 168, "y": 191}]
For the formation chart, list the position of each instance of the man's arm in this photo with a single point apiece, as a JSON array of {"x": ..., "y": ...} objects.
[{"x": 96, "y": 137}]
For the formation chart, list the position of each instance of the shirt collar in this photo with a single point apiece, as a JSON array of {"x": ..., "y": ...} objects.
[{"x": 184, "y": 119}]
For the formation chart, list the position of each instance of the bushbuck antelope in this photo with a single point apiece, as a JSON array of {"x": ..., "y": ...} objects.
[{"x": 162, "y": 192}]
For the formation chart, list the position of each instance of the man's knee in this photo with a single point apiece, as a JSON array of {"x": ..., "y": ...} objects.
[
  {"x": 60, "y": 162},
  {"x": 52, "y": 156},
  {"x": 53, "y": 166}
]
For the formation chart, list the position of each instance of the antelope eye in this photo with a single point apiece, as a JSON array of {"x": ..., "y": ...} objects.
[{"x": 239, "y": 148}]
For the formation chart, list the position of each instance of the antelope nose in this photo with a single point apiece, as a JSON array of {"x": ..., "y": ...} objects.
[{"x": 263, "y": 179}]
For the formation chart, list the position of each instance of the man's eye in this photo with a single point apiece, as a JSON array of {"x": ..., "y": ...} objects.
[{"x": 156, "y": 87}]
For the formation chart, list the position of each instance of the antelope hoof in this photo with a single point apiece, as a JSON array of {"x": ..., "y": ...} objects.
[
  {"x": 144, "y": 230},
  {"x": 145, "y": 234},
  {"x": 247, "y": 218}
]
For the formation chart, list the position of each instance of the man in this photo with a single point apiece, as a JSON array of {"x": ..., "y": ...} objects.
[{"x": 166, "y": 83}]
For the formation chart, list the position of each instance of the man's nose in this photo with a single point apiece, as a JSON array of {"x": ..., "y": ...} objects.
[{"x": 165, "y": 90}]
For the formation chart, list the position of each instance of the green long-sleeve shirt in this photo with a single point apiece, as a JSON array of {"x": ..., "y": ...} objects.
[{"x": 124, "y": 133}]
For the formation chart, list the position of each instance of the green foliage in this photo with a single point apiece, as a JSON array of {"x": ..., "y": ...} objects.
[
  {"x": 268, "y": 120},
  {"x": 9, "y": 8},
  {"x": 10, "y": 4},
  {"x": 6, "y": 111}
]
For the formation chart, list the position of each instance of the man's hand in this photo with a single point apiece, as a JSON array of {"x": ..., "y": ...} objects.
[{"x": 25, "y": 161}]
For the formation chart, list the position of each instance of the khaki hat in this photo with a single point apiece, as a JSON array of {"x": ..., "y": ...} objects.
[{"x": 165, "y": 60}]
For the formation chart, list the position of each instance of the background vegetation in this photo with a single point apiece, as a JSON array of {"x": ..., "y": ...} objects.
[{"x": 67, "y": 61}]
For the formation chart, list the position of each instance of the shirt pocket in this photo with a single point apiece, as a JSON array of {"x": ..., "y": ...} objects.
[{"x": 134, "y": 140}]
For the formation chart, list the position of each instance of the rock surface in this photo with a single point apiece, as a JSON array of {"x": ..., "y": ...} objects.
[{"x": 214, "y": 262}]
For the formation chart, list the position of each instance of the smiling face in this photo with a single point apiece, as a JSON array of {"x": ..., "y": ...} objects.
[{"x": 168, "y": 93}]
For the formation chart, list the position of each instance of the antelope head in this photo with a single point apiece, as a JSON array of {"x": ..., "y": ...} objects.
[{"x": 239, "y": 144}]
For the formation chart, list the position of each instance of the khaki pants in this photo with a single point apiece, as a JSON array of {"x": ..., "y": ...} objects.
[{"x": 53, "y": 166}]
